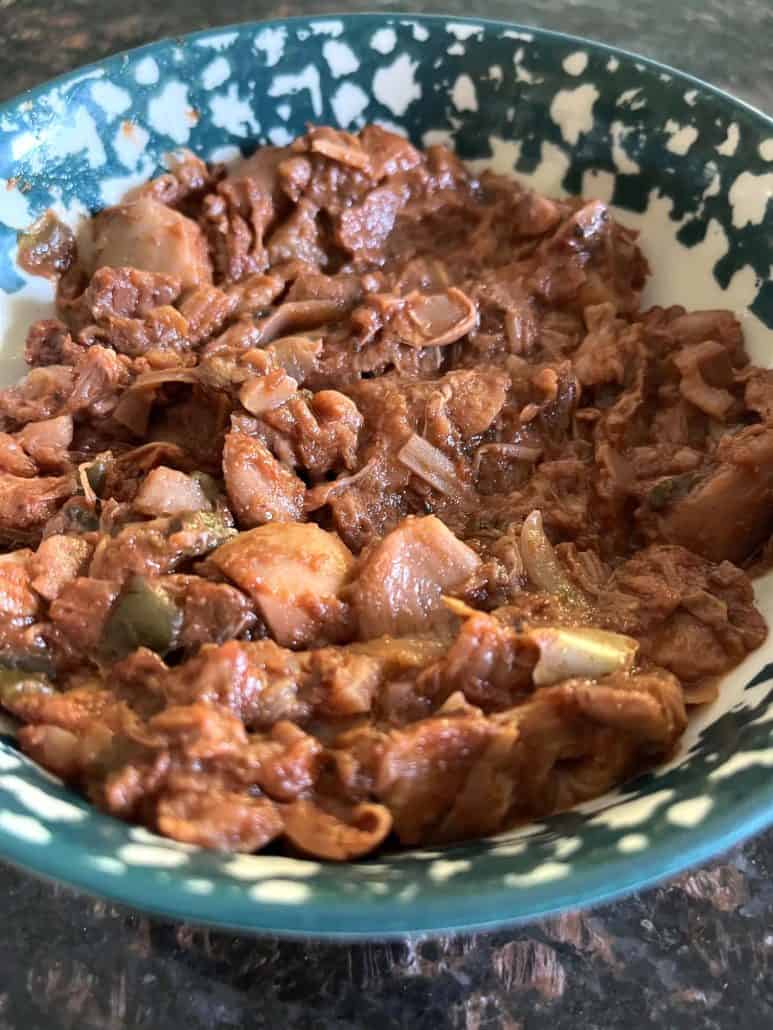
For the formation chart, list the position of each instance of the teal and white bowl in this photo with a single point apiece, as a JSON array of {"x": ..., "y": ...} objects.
[{"x": 687, "y": 164}]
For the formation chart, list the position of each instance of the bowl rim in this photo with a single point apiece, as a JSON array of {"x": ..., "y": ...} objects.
[
  {"x": 121, "y": 56},
  {"x": 446, "y": 909}
]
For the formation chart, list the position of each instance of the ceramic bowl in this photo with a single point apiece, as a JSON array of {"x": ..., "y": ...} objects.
[{"x": 689, "y": 166}]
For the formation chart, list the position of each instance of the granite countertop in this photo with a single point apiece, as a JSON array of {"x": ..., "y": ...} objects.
[{"x": 695, "y": 952}]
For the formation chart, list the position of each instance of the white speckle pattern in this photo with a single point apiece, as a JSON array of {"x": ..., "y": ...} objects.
[
  {"x": 505, "y": 155},
  {"x": 284, "y": 111},
  {"x": 527, "y": 37},
  {"x": 633, "y": 813},
  {"x": 713, "y": 188},
  {"x": 572, "y": 111},
  {"x": 129, "y": 143},
  {"x": 231, "y": 113},
  {"x": 765, "y": 150},
  {"x": 8, "y": 761},
  {"x": 463, "y": 95},
  {"x": 79, "y": 135},
  {"x": 22, "y": 145},
  {"x": 495, "y": 73},
  {"x": 391, "y": 126},
  {"x": 690, "y": 97},
  {"x": 395, "y": 86},
  {"x": 682, "y": 137},
  {"x": 143, "y": 836},
  {"x": 547, "y": 872},
  {"x": 150, "y": 855},
  {"x": 630, "y": 98},
  {"x": 576, "y": 63},
  {"x": 169, "y": 112},
  {"x": 25, "y": 827},
  {"x": 598, "y": 184},
  {"x": 742, "y": 761},
  {"x": 690, "y": 812},
  {"x": 456, "y": 49},
  {"x": 197, "y": 885},
  {"x": 624, "y": 163},
  {"x": 749, "y": 196},
  {"x": 281, "y": 892},
  {"x": 437, "y": 137},
  {"x": 218, "y": 40},
  {"x": 613, "y": 64},
  {"x": 271, "y": 43},
  {"x": 566, "y": 847},
  {"x": 384, "y": 40},
  {"x": 348, "y": 103},
  {"x": 279, "y": 136},
  {"x": 462, "y": 30},
  {"x": 216, "y": 73},
  {"x": 251, "y": 868},
  {"x": 109, "y": 865},
  {"x": 445, "y": 869},
  {"x": 511, "y": 849},
  {"x": 308, "y": 79},
  {"x": 15, "y": 209},
  {"x": 522, "y": 74},
  {"x": 730, "y": 143},
  {"x": 39, "y": 802},
  {"x": 333, "y": 27},
  {"x": 224, "y": 155},
  {"x": 630, "y": 843},
  {"x": 113, "y": 100},
  {"x": 420, "y": 33},
  {"x": 146, "y": 73},
  {"x": 340, "y": 58}
]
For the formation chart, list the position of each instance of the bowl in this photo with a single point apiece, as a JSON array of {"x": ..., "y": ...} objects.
[{"x": 688, "y": 165}]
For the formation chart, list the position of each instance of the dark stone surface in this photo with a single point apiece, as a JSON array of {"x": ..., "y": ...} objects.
[{"x": 694, "y": 953}]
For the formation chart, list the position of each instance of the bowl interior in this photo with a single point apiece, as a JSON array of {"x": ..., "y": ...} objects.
[{"x": 687, "y": 165}]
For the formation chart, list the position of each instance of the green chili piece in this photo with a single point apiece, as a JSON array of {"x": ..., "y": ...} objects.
[{"x": 143, "y": 616}]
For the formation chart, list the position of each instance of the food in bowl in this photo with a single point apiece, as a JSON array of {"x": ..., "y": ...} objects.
[{"x": 354, "y": 499}]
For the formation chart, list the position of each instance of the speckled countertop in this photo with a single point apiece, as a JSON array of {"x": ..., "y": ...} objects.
[{"x": 694, "y": 953}]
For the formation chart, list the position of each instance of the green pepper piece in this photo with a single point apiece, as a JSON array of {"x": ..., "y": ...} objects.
[
  {"x": 143, "y": 616},
  {"x": 97, "y": 471},
  {"x": 669, "y": 490},
  {"x": 205, "y": 530}
]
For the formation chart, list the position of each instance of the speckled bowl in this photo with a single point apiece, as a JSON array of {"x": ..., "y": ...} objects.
[{"x": 688, "y": 165}]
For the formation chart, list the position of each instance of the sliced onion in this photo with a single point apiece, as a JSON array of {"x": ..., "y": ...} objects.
[
  {"x": 318, "y": 496},
  {"x": 515, "y": 451},
  {"x": 297, "y": 355},
  {"x": 85, "y": 483},
  {"x": 435, "y": 320},
  {"x": 430, "y": 464},
  {"x": 298, "y": 314},
  {"x": 260, "y": 394},
  {"x": 340, "y": 146},
  {"x": 159, "y": 376},
  {"x": 700, "y": 693},
  {"x": 584, "y": 653},
  {"x": 542, "y": 565},
  {"x": 133, "y": 410}
]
